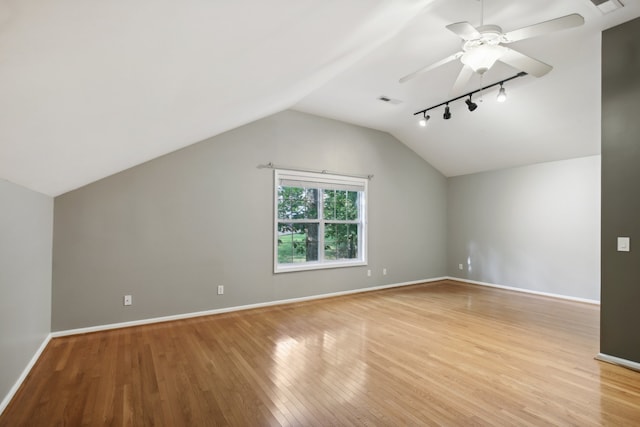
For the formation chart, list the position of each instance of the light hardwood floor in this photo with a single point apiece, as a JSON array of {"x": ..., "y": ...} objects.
[{"x": 434, "y": 354}]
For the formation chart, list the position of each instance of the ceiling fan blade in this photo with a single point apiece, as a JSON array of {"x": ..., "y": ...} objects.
[
  {"x": 524, "y": 63},
  {"x": 431, "y": 67},
  {"x": 564, "y": 22},
  {"x": 462, "y": 80},
  {"x": 464, "y": 30}
]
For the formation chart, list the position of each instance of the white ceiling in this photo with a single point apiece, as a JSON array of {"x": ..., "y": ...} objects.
[{"x": 90, "y": 88}]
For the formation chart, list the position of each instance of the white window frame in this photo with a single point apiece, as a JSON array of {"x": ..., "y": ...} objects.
[{"x": 324, "y": 181}]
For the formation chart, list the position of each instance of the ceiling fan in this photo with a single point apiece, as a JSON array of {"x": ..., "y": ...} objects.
[{"x": 484, "y": 45}]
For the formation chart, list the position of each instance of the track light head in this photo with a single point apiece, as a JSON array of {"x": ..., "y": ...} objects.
[
  {"x": 470, "y": 104},
  {"x": 425, "y": 118},
  {"x": 447, "y": 113},
  {"x": 502, "y": 95}
]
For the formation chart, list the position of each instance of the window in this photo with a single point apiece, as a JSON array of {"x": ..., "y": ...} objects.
[{"x": 320, "y": 221}]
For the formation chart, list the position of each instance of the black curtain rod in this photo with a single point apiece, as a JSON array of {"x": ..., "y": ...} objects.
[{"x": 520, "y": 74}]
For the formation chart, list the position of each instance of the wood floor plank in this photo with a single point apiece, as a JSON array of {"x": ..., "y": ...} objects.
[{"x": 433, "y": 354}]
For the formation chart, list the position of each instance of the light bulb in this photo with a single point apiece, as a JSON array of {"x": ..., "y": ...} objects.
[
  {"x": 502, "y": 95},
  {"x": 423, "y": 121}
]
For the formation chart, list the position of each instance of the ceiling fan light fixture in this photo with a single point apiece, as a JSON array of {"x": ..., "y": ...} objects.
[
  {"x": 484, "y": 45},
  {"x": 502, "y": 94},
  {"x": 481, "y": 58},
  {"x": 447, "y": 113}
]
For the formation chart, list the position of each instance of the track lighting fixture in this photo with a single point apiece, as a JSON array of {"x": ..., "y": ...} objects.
[
  {"x": 502, "y": 96},
  {"x": 470, "y": 104},
  {"x": 425, "y": 118},
  {"x": 447, "y": 113}
]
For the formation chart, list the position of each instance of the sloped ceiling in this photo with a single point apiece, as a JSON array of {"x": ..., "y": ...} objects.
[
  {"x": 544, "y": 119},
  {"x": 91, "y": 88}
]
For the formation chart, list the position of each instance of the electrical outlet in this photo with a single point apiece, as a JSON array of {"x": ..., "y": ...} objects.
[
  {"x": 624, "y": 244},
  {"x": 384, "y": 271},
  {"x": 368, "y": 273},
  {"x": 128, "y": 300},
  {"x": 220, "y": 289},
  {"x": 459, "y": 266}
]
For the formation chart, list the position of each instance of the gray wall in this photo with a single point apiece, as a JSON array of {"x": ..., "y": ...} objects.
[
  {"x": 620, "y": 315},
  {"x": 26, "y": 224},
  {"x": 169, "y": 231},
  {"x": 534, "y": 227}
]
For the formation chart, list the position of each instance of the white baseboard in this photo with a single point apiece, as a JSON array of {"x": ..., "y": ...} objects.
[
  {"x": 618, "y": 361},
  {"x": 527, "y": 291},
  {"x": 231, "y": 309},
  {"x": 23, "y": 376}
]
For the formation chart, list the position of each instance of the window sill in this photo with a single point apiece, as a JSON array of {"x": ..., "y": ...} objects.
[{"x": 287, "y": 268}]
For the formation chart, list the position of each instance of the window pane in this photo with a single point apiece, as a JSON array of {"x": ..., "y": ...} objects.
[
  {"x": 351, "y": 205},
  {"x": 285, "y": 243},
  {"x": 330, "y": 245},
  {"x": 288, "y": 202},
  {"x": 340, "y": 205},
  {"x": 297, "y": 203},
  {"x": 297, "y": 242},
  {"x": 329, "y": 200},
  {"x": 311, "y": 242},
  {"x": 340, "y": 241},
  {"x": 311, "y": 204}
]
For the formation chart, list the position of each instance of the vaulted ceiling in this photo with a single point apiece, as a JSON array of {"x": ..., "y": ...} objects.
[{"x": 90, "y": 88}]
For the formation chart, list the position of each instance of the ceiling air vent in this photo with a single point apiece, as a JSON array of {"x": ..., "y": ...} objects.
[
  {"x": 606, "y": 6},
  {"x": 389, "y": 100}
]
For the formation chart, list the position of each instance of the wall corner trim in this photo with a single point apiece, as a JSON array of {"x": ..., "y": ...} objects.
[
  {"x": 231, "y": 309},
  {"x": 618, "y": 361},
  {"x": 7, "y": 399},
  {"x": 526, "y": 291}
]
